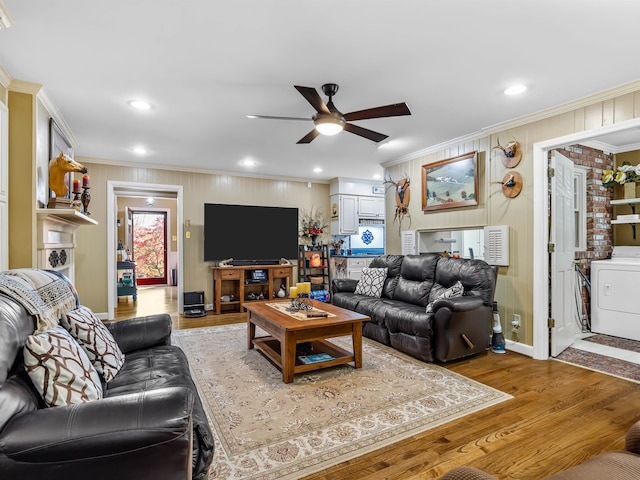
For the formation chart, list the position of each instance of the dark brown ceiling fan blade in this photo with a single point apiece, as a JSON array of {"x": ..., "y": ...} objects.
[
  {"x": 393, "y": 110},
  {"x": 365, "y": 132},
  {"x": 313, "y": 97},
  {"x": 308, "y": 138},
  {"x": 271, "y": 117}
]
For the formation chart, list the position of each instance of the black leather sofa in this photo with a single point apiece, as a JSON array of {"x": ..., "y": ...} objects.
[
  {"x": 458, "y": 326},
  {"x": 149, "y": 425}
]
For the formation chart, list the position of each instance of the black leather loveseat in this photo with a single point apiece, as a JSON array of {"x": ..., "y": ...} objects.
[
  {"x": 150, "y": 422},
  {"x": 457, "y": 327}
]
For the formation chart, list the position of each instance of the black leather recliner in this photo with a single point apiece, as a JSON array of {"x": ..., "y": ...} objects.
[
  {"x": 458, "y": 326},
  {"x": 150, "y": 423}
]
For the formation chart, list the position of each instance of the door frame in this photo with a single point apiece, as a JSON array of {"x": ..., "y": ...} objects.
[
  {"x": 541, "y": 229},
  {"x": 115, "y": 188},
  {"x": 167, "y": 237}
]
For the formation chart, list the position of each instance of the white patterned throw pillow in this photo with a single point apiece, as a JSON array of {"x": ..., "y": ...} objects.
[
  {"x": 371, "y": 282},
  {"x": 59, "y": 368},
  {"x": 96, "y": 340},
  {"x": 456, "y": 290}
]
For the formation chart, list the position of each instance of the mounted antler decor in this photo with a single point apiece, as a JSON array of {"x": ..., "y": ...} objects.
[
  {"x": 403, "y": 196},
  {"x": 512, "y": 153},
  {"x": 511, "y": 184}
]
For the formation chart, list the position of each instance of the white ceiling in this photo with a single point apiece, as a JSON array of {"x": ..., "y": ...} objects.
[{"x": 204, "y": 65}]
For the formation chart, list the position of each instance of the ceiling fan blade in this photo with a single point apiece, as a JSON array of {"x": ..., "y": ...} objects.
[
  {"x": 271, "y": 117},
  {"x": 365, "y": 132},
  {"x": 393, "y": 110},
  {"x": 309, "y": 136},
  {"x": 313, "y": 97}
]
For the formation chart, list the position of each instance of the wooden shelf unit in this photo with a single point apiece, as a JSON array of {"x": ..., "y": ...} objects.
[
  {"x": 236, "y": 281},
  {"x": 306, "y": 270}
]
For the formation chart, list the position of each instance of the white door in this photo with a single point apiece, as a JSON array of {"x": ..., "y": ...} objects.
[{"x": 565, "y": 330}]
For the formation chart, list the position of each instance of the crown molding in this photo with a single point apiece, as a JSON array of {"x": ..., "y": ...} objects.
[
  {"x": 5, "y": 78},
  {"x": 182, "y": 168},
  {"x": 471, "y": 137},
  {"x": 20, "y": 86},
  {"x": 37, "y": 90},
  {"x": 5, "y": 19},
  {"x": 524, "y": 120},
  {"x": 608, "y": 148},
  {"x": 56, "y": 114}
]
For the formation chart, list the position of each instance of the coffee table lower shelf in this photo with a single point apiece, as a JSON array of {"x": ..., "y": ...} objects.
[{"x": 270, "y": 348}]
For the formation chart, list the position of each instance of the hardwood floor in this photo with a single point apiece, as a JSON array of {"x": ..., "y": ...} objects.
[{"x": 559, "y": 416}]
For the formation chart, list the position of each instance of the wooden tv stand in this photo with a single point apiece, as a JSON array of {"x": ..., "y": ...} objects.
[{"x": 236, "y": 281}]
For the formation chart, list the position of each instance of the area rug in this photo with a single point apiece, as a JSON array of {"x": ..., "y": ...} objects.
[
  {"x": 266, "y": 429},
  {"x": 603, "y": 363}
]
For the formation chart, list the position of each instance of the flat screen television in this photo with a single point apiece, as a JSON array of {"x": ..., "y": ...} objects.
[{"x": 250, "y": 234}]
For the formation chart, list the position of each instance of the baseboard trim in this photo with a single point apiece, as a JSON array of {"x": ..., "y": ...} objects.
[
  {"x": 519, "y": 348},
  {"x": 102, "y": 315}
]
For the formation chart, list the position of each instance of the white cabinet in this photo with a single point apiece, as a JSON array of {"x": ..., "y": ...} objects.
[
  {"x": 370, "y": 207},
  {"x": 344, "y": 215},
  {"x": 355, "y": 266}
]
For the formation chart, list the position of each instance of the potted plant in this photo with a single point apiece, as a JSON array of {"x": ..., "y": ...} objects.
[{"x": 627, "y": 175}]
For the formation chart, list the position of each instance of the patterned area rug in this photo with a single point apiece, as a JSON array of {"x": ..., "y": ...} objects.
[
  {"x": 603, "y": 363},
  {"x": 266, "y": 429}
]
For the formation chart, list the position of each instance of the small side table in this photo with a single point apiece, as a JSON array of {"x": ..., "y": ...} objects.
[{"x": 127, "y": 280}]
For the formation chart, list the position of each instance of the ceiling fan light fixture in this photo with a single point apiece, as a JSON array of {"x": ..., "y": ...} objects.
[{"x": 328, "y": 124}]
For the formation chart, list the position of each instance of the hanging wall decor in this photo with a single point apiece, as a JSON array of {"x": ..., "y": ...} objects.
[
  {"x": 403, "y": 197},
  {"x": 511, "y": 153},
  {"x": 512, "y": 184},
  {"x": 450, "y": 183}
]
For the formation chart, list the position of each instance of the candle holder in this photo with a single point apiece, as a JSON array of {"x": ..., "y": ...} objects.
[
  {"x": 301, "y": 302},
  {"x": 85, "y": 198},
  {"x": 76, "y": 203}
]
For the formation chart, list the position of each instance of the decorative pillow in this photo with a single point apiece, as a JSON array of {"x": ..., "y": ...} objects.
[
  {"x": 371, "y": 282},
  {"x": 456, "y": 290},
  {"x": 96, "y": 340},
  {"x": 59, "y": 368}
]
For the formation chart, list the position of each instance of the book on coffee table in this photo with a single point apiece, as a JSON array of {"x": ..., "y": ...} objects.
[{"x": 315, "y": 358}]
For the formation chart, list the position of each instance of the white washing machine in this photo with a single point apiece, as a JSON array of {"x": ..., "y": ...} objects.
[{"x": 615, "y": 294}]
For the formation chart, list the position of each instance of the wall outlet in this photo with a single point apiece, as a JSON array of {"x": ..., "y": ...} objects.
[{"x": 516, "y": 321}]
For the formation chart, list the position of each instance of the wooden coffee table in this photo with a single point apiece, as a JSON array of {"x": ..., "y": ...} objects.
[{"x": 285, "y": 332}]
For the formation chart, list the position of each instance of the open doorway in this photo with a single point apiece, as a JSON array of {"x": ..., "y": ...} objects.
[
  {"x": 149, "y": 243},
  {"x": 620, "y": 135},
  {"x": 123, "y": 199}
]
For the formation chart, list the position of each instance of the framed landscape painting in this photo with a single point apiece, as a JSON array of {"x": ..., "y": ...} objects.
[{"x": 450, "y": 183}]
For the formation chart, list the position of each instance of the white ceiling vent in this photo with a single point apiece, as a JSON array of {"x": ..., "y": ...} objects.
[
  {"x": 496, "y": 245},
  {"x": 5, "y": 18}
]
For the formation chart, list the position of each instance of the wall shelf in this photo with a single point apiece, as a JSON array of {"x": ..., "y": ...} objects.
[
  {"x": 68, "y": 214},
  {"x": 632, "y": 204}
]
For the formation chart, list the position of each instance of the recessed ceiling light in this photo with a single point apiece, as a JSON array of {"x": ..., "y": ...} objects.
[
  {"x": 515, "y": 90},
  {"x": 317, "y": 170},
  {"x": 139, "y": 105},
  {"x": 377, "y": 176},
  {"x": 248, "y": 163},
  {"x": 140, "y": 150}
]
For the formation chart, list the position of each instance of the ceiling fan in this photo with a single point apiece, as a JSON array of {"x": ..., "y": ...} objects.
[{"x": 329, "y": 120}]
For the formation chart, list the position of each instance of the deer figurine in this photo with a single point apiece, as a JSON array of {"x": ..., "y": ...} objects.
[{"x": 58, "y": 168}]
